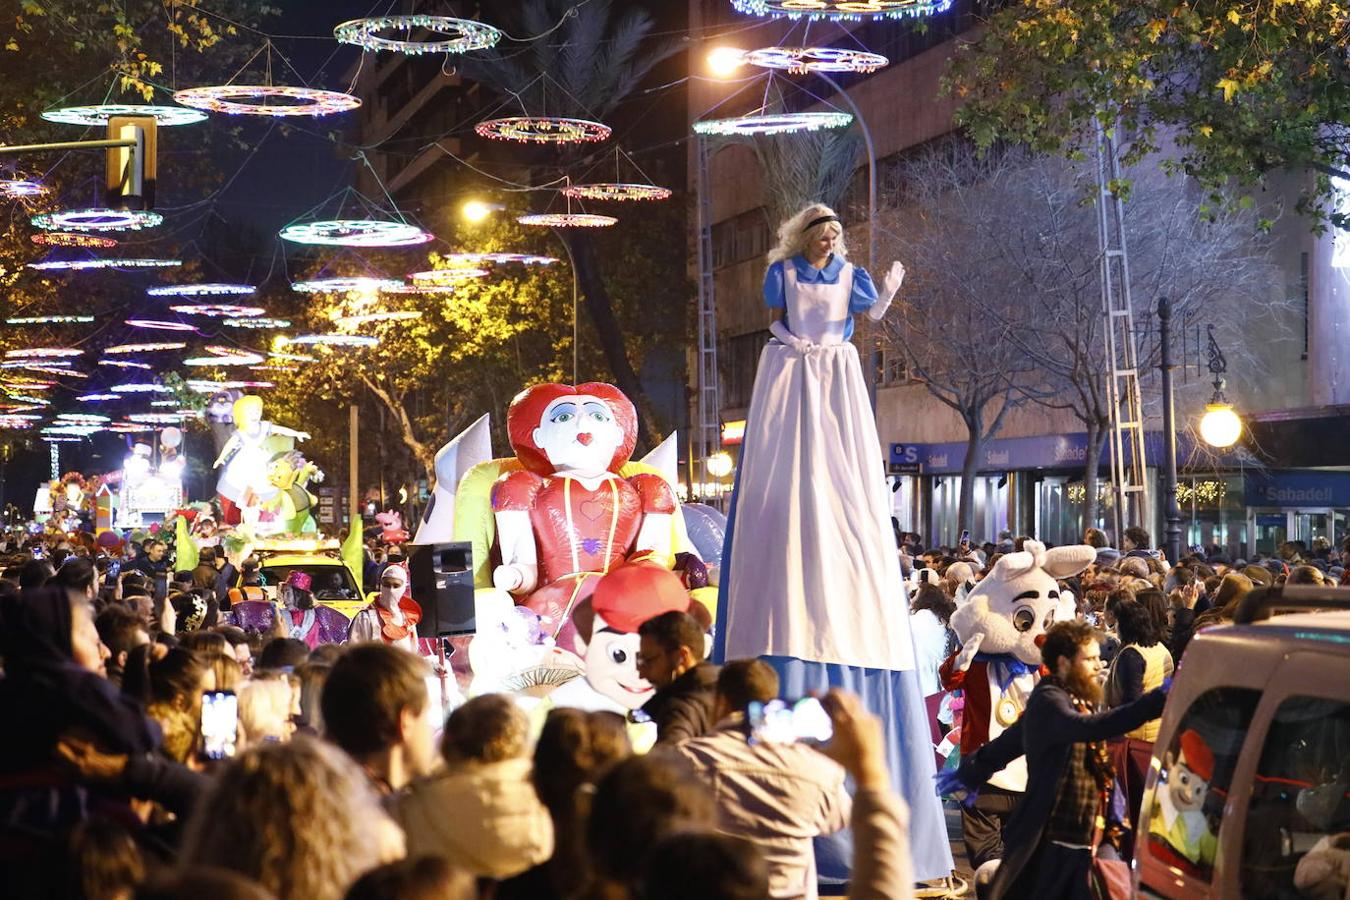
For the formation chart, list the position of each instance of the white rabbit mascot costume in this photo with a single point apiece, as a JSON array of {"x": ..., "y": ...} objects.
[
  {"x": 1001, "y": 625},
  {"x": 811, "y": 578}
]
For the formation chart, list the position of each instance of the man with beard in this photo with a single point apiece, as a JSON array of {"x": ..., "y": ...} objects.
[{"x": 1050, "y": 836}]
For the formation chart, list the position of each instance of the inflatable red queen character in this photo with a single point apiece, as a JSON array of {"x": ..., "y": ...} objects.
[{"x": 569, "y": 517}]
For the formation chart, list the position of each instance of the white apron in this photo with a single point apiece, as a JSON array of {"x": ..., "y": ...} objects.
[{"x": 814, "y": 572}]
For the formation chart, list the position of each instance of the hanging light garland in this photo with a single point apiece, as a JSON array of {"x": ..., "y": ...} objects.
[
  {"x": 95, "y": 219},
  {"x": 32, "y": 402},
  {"x": 51, "y": 368},
  {"x": 364, "y": 283},
  {"x": 840, "y": 10},
  {"x": 543, "y": 130},
  {"x": 291, "y": 357},
  {"x": 61, "y": 439},
  {"x": 123, "y": 349},
  {"x": 448, "y": 35},
  {"x": 774, "y": 123},
  {"x": 615, "y": 190},
  {"x": 160, "y": 325},
  {"x": 425, "y": 290},
  {"x": 164, "y": 116},
  {"x": 84, "y": 418},
  {"x": 218, "y": 310},
  {"x": 16, "y": 188},
  {"x": 124, "y": 364},
  {"x": 356, "y": 233},
  {"x": 218, "y": 355},
  {"x": 258, "y": 323},
  {"x": 336, "y": 340},
  {"x": 201, "y": 290},
  {"x": 250, "y": 100},
  {"x": 140, "y": 387},
  {"x": 44, "y": 353},
  {"x": 129, "y": 428},
  {"x": 446, "y": 277},
  {"x": 71, "y": 239},
  {"x": 210, "y": 387},
  {"x": 567, "y": 220},
  {"x": 49, "y": 320},
  {"x": 493, "y": 259},
  {"x": 394, "y": 315},
  {"x": 160, "y": 418},
  {"x": 801, "y": 60},
  {"x": 97, "y": 398},
  {"x": 81, "y": 265}
]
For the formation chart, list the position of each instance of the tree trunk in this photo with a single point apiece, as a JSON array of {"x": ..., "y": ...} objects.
[
  {"x": 1092, "y": 463},
  {"x": 424, "y": 455},
  {"x": 966, "y": 508},
  {"x": 600, "y": 309}
]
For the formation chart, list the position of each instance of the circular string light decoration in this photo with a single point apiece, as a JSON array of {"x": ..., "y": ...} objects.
[
  {"x": 290, "y": 357},
  {"x": 82, "y": 265},
  {"x": 425, "y": 290},
  {"x": 445, "y": 34},
  {"x": 343, "y": 285},
  {"x": 259, "y": 322},
  {"x": 129, "y": 428},
  {"x": 83, "y": 418},
  {"x": 445, "y": 277},
  {"x": 543, "y": 130},
  {"x": 122, "y": 349},
  {"x": 50, "y": 368},
  {"x": 44, "y": 353},
  {"x": 164, "y": 116},
  {"x": 61, "y": 439},
  {"x": 95, "y": 219},
  {"x": 774, "y": 123},
  {"x": 124, "y": 364},
  {"x": 160, "y": 325},
  {"x": 33, "y": 402},
  {"x": 801, "y": 60},
  {"x": 201, "y": 290},
  {"x": 336, "y": 340},
  {"x": 72, "y": 239},
  {"x": 356, "y": 233},
  {"x": 218, "y": 310},
  {"x": 97, "y": 398},
  {"x": 567, "y": 220},
  {"x": 493, "y": 259},
  {"x": 615, "y": 190},
  {"x": 251, "y": 100},
  {"x": 140, "y": 387},
  {"x": 210, "y": 387},
  {"x": 218, "y": 355},
  {"x": 840, "y": 10},
  {"x": 355, "y": 321},
  {"x": 160, "y": 418},
  {"x": 49, "y": 320},
  {"x": 14, "y": 188}
]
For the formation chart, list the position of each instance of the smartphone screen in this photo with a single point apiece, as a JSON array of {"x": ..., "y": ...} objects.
[
  {"x": 784, "y": 722},
  {"x": 220, "y": 724}
]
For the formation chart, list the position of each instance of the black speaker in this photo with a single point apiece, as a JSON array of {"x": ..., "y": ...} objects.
[{"x": 442, "y": 582}]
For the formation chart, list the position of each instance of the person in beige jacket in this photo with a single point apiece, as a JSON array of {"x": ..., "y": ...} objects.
[{"x": 480, "y": 812}]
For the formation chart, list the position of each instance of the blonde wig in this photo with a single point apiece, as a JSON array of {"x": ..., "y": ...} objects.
[
  {"x": 300, "y": 818},
  {"x": 794, "y": 236},
  {"x": 264, "y": 711}
]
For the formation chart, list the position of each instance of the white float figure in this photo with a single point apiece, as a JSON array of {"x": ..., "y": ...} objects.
[
  {"x": 246, "y": 456},
  {"x": 811, "y": 577}
]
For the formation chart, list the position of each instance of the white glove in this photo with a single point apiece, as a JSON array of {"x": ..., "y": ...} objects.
[
  {"x": 508, "y": 578},
  {"x": 780, "y": 331},
  {"x": 890, "y": 285}
]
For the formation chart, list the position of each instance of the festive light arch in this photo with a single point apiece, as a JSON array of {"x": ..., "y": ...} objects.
[
  {"x": 172, "y": 418},
  {"x": 71, "y": 239},
  {"x": 160, "y": 325},
  {"x": 218, "y": 355},
  {"x": 344, "y": 285},
  {"x": 165, "y": 116},
  {"x": 14, "y": 188},
  {"x": 97, "y": 398},
  {"x": 210, "y": 289},
  {"x": 774, "y": 123},
  {"x": 140, "y": 387},
  {"x": 800, "y": 60},
  {"x": 97, "y": 220},
  {"x": 86, "y": 265},
  {"x": 124, "y": 364},
  {"x": 201, "y": 386},
  {"x": 492, "y": 259},
  {"x": 447, "y": 277},
  {"x": 840, "y": 10},
  {"x": 44, "y": 353},
  {"x": 243, "y": 100},
  {"x": 543, "y": 130},
  {"x": 425, "y": 290},
  {"x": 615, "y": 190},
  {"x": 149, "y": 347},
  {"x": 83, "y": 418},
  {"x": 49, "y": 320},
  {"x": 356, "y": 233},
  {"x": 567, "y": 220},
  {"x": 218, "y": 310},
  {"x": 259, "y": 322},
  {"x": 456, "y": 35},
  {"x": 336, "y": 340}
]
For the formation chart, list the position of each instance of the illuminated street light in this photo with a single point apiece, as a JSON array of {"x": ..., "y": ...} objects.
[
  {"x": 1220, "y": 426},
  {"x": 478, "y": 210},
  {"x": 719, "y": 465},
  {"x": 724, "y": 62}
]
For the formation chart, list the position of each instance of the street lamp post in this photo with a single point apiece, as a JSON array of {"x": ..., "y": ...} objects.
[{"x": 1171, "y": 510}]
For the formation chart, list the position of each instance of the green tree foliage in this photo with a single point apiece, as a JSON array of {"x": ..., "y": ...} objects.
[{"x": 1240, "y": 87}]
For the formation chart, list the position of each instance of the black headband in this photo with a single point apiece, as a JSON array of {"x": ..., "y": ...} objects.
[{"x": 819, "y": 220}]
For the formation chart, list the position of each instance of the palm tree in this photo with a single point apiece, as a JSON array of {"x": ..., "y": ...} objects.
[{"x": 584, "y": 67}]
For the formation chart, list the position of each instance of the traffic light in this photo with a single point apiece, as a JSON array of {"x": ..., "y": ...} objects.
[{"x": 129, "y": 181}]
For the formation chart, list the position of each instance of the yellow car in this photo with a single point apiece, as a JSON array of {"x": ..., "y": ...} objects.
[{"x": 321, "y": 559}]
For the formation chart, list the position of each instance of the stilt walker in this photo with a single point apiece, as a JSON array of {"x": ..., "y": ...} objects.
[{"x": 811, "y": 578}]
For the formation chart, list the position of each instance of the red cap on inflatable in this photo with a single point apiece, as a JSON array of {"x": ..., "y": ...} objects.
[
  {"x": 1199, "y": 758},
  {"x": 632, "y": 594},
  {"x": 527, "y": 409}
]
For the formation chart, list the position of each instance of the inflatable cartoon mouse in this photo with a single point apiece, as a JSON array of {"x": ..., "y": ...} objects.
[{"x": 1000, "y": 626}]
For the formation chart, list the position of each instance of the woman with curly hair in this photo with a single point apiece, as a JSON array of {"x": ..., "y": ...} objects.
[{"x": 298, "y": 818}]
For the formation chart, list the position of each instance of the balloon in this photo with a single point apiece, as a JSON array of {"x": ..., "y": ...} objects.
[
  {"x": 707, "y": 529},
  {"x": 108, "y": 540}
]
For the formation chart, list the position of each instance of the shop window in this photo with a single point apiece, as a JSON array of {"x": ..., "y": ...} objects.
[
  {"x": 1299, "y": 815},
  {"x": 1186, "y": 806}
]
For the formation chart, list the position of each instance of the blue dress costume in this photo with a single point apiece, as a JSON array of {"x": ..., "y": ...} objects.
[{"x": 811, "y": 579}]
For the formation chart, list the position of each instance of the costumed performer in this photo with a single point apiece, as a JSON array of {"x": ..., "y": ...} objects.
[
  {"x": 393, "y": 616},
  {"x": 811, "y": 575},
  {"x": 568, "y": 517},
  {"x": 246, "y": 455},
  {"x": 301, "y": 616}
]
